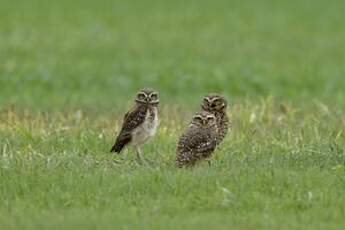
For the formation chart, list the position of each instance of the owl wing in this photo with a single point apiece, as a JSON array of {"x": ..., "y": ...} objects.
[
  {"x": 133, "y": 119},
  {"x": 223, "y": 127},
  {"x": 202, "y": 143},
  {"x": 194, "y": 145}
]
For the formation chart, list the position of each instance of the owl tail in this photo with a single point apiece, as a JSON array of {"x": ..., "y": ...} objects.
[
  {"x": 116, "y": 149},
  {"x": 120, "y": 143}
]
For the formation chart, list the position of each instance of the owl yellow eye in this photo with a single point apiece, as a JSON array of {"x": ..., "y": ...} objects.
[
  {"x": 198, "y": 118},
  {"x": 141, "y": 96},
  {"x": 154, "y": 97},
  {"x": 217, "y": 100},
  {"x": 210, "y": 118}
]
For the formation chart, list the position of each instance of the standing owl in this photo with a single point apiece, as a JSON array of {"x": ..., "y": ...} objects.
[
  {"x": 199, "y": 140},
  {"x": 216, "y": 104},
  {"x": 140, "y": 123}
]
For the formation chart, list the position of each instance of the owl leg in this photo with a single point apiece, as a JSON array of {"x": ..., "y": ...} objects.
[
  {"x": 209, "y": 162},
  {"x": 138, "y": 150}
]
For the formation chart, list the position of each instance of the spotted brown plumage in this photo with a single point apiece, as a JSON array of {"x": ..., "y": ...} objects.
[
  {"x": 217, "y": 104},
  {"x": 140, "y": 123},
  {"x": 132, "y": 120},
  {"x": 198, "y": 141}
]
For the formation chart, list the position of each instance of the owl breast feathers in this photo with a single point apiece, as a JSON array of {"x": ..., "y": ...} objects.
[{"x": 194, "y": 145}]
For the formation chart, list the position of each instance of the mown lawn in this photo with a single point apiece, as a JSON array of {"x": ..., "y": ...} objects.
[{"x": 70, "y": 69}]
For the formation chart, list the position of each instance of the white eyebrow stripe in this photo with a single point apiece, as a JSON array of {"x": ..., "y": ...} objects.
[{"x": 207, "y": 99}]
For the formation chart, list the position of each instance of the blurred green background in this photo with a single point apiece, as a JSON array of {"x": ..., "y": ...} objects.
[
  {"x": 69, "y": 70},
  {"x": 96, "y": 54}
]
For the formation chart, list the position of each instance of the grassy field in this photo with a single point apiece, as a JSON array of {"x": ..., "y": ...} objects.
[{"x": 69, "y": 69}]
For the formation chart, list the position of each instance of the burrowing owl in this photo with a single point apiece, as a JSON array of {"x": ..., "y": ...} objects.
[
  {"x": 140, "y": 123},
  {"x": 199, "y": 140},
  {"x": 216, "y": 104}
]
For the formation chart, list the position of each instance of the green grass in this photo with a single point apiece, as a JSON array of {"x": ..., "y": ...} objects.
[{"x": 69, "y": 69}]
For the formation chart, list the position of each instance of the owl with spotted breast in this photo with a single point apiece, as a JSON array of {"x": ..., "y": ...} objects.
[
  {"x": 217, "y": 104},
  {"x": 140, "y": 123},
  {"x": 199, "y": 140}
]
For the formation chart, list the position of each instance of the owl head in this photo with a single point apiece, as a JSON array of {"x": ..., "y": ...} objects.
[
  {"x": 214, "y": 103},
  {"x": 204, "y": 119},
  {"x": 147, "y": 96}
]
